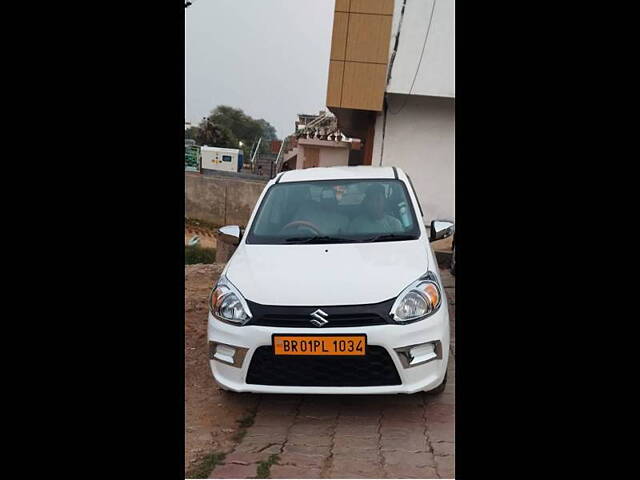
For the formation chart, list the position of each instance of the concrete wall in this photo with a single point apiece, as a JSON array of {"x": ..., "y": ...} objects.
[
  {"x": 436, "y": 75},
  {"x": 420, "y": 139},
  {"x": 221, "y": 199}
]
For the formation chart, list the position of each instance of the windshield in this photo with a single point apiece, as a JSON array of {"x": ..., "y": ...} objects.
[{"x": 335, "y": 211}]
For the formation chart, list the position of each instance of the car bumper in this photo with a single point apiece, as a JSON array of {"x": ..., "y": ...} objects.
[{"x": 394, "y": 338}]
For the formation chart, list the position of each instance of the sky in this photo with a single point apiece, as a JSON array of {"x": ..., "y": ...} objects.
[{"x": 268, "y": 57}]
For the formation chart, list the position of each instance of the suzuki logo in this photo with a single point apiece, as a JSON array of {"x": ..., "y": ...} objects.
[{"x": 319, "y": 318}]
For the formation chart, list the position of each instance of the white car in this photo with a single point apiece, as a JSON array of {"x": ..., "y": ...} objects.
[{"x": 333, "y": 288}]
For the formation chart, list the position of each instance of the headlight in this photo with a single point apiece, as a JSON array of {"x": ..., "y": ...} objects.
[
  {"x": 227, "y": 304},
  {"x": 419, "y": 300}
]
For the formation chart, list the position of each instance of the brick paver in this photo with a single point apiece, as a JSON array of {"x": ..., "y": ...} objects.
[{"x": 352, "y": 436}]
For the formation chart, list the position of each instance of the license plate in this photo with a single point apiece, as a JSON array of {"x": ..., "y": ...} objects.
[{"x": 320, "y": 344}]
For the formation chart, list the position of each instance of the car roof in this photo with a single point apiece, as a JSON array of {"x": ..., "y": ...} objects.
[{"x": 337, "y": 173}]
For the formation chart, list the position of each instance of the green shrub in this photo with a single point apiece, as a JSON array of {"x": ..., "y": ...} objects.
[
  {"x": 197, "y": 254},
  {"x": 205, "y": 465}
]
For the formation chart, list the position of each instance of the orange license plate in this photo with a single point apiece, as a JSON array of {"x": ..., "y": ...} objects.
[{"x": 320, "y": 344}]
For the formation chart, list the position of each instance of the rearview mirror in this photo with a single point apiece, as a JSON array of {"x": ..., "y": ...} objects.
[
  {"x": 230, "y": 234},
  {"x": 440, "y": 229}
]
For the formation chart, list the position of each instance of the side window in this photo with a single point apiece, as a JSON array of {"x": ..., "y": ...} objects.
[{"x": 226, "y": 158}]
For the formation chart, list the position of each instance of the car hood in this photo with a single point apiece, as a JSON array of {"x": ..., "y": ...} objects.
[{"x": 325, "y": 275}]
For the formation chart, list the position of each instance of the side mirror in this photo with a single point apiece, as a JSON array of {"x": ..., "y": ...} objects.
[
  {"x": 440, "y": 229},
  {"x": 230, "y": 234}
]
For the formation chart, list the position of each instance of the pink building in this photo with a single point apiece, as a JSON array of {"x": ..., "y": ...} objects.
[{"x": 319, "y": 143}]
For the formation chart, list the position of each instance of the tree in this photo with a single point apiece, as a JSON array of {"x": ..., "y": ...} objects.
[
  {"x": 214, "y": 135},
  {"x": 268, "y": 130},
  {"x": 243, "y": 127},
  {"x": 191, "y": 133}
]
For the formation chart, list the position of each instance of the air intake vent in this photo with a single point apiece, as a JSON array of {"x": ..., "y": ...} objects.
[{"x": 373, "y": 369}]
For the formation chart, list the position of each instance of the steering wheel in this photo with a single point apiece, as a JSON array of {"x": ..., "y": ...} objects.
[{"x": 302, "y": 223}]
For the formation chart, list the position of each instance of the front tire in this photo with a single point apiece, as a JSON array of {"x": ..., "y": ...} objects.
[
  {"x": 440, "y": 388},
  {"x": 452, "y": 266}
]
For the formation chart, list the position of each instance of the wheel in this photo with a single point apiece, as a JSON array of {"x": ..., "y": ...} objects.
[
  {"x": 452, "y": 267},
  {"x": 440, "y": 388},
  {"x": 229, "y": 395}
]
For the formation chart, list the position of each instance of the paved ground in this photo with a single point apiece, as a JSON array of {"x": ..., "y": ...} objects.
[
  {"x": 211, "y": 417},
  {"x": 318, "y": 436}
]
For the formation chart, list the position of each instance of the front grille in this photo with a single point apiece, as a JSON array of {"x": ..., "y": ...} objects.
[
  {"x": 373, "y": 369},
  {"x": 340, "y": 316}
]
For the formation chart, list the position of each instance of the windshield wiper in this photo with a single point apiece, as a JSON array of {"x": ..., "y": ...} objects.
[
  {"x": 318, "y": 239},
  {"x": 390, "y": 237}
]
